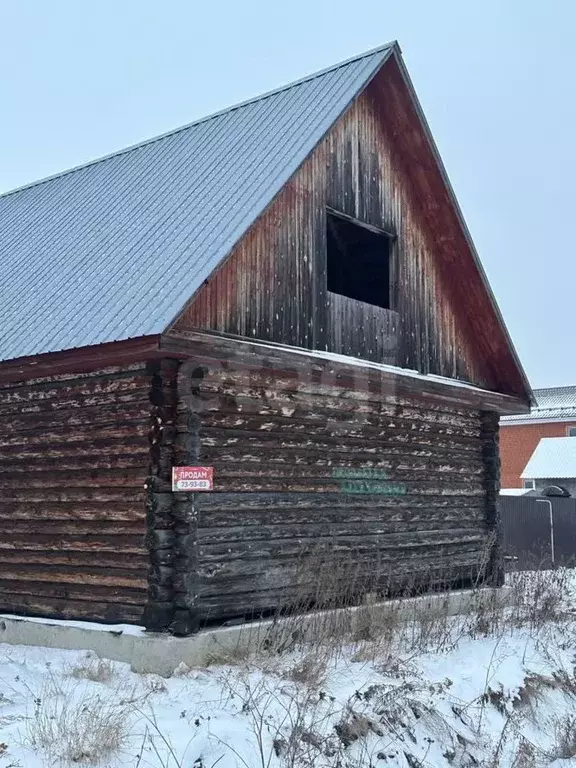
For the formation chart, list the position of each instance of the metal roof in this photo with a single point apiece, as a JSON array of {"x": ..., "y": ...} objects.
[
  {"x": 553, "y": 403},
  {"x": 556, "y": 397},
  {"x": 114, "y": 249},
  {"x": 537, "y": 415},
  {"x": 554, "y": 457}
]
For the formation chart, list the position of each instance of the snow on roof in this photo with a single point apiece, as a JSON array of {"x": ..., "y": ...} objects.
[{"x": 554, "y": 457}]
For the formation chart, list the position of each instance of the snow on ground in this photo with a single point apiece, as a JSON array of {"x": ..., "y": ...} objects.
[
  {"x": 487, "y": 691},
  {"x": 120, "y": 629}
]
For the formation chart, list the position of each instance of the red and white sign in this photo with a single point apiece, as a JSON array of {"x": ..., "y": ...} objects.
[{"x": 192, "y": 478}]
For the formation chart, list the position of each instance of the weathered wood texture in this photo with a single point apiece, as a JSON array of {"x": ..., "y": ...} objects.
[
  {"x": 315, "y": 477},
  {"x": 376, "y": 336},
  {"x": 370, "y": 166},
  {"x": 491, "y": 458},
  {"x": 159, "y": 610},
  {"x": 74, "y": 456},
  {"x": 321, "y": 467},
  {"x": 247, "y": 355}
]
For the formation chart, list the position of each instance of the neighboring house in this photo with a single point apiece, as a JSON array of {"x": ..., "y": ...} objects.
[
  {"x": 552, "y": 463},
  {"x": 285, "y": 292},
  {"x": 554, "y": 415}
]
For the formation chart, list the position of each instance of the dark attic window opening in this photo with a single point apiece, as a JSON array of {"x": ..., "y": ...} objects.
[{"x": 358, "y": 261}]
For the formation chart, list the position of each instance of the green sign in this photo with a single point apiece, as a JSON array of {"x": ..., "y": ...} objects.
[{"x": 369, "y": 481}]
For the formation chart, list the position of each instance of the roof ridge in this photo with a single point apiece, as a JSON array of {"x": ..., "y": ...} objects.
[{"x": 211, "y": 116}]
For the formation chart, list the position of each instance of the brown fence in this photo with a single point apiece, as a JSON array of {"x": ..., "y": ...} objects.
[{"x": 538, "y": 532}]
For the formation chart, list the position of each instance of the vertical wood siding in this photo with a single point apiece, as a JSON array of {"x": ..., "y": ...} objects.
[
  {"x": 376, "y": 336},
  {"x": 273, "y": 286},
  {"x": 304, "y": 461},
  {"x": 74, "y": 455}
]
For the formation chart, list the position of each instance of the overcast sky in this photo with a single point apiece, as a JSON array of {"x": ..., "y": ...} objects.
[{"x": 496, "y": 79}]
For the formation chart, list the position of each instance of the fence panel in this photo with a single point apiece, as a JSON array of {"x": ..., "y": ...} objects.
[
  {"x": 564, "y": 514},
  {"x": 526, "y": 533},
  {"x": 527, "y": 540}
]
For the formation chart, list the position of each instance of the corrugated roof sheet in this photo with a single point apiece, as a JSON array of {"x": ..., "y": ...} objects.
[
  {"x": 542, "y": 414},
  {"x": 114, "y": 249},
  {"x": 554, "y": 457},
  {"x": 553, "y": 403},
  {"x": 556, "y": 397}
]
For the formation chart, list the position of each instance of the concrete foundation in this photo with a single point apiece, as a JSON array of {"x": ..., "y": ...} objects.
[{"x": 161, "y": 654}]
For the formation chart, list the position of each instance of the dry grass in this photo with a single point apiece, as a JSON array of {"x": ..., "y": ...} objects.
[
  {"x": 287, "y": 706},
  {"x": 330, "y": 608},
  {"x": 310, "y": 671},
  {"x": 93, "y": 669},
  {"x": 287, "y": 719},
  {"x": 536, "y": 686},
  {"x": 564, "y": 738},
  {"x": 71, "y": 724},
  {"x": 319, "y": 634},
  {"x": 353, "y": 727},
  {"x": 533, "y": 690},
  {"x": 525, "y": 756},
  {"x": 240, "y": 653},
  {"x": 539, "y": 597}
]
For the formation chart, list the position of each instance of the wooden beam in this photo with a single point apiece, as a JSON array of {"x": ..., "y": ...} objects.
[
  {"x": 359, "y": 223},
  {"x": 79, "y": 360},
  {"x": 336, "y": 371}
]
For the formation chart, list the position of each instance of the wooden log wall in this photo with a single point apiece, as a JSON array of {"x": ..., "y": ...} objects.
[
  {"x": 171, "y": 517},
  {"x": 159, "y": 610},
  {"x": 491, "y": 456},
  {"x": 330, "y": 479},
  {"x": 74, "y": 457},
  {"x": 317, "y": 476}
]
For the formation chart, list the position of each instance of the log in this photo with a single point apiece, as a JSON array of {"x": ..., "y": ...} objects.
[{"x": 111, "y": 613}]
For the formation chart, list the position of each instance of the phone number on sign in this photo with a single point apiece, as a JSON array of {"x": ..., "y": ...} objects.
[{"x": 193, "y": 485}]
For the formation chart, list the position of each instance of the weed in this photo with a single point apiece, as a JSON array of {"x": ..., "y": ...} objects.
[
  {"x": 353, "y": 727},
  {"x": 564, "y": 738},
  {"x": 94, "y": 670},
  {"x": 525, "y": 756},
  {"x": 310, "y": 671},
  {"x": 78, "y": 728}
]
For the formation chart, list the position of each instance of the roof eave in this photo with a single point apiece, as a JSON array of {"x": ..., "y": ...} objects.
[
  {"x": 80, "y": 359},
  {"x": 520, "y": 420}
]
